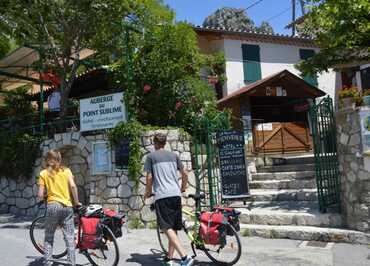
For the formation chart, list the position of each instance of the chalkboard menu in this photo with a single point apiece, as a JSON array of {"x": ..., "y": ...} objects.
[
  {"x": 233, "y": 168},
  {"x": 122, "y": 152}
]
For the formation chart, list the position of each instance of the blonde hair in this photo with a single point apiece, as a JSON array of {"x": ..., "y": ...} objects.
[{"x": 53, "y": 161}]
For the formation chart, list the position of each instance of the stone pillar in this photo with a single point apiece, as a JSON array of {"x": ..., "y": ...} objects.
[{"x": 355, "y": 171}]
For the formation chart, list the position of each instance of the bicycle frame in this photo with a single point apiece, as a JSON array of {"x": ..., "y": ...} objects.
[{"x": 193, "y": 234}]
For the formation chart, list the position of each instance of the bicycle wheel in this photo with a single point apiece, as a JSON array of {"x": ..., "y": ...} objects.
[
  {"x": 37, "y": 235},
  {"x": 108, "y": 254},
  {"x": 163, "y": 240},
  {"x": 230, "y": 253}
]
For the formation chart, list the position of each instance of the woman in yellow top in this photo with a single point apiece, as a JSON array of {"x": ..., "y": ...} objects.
[{"x": 57, "y": 182}]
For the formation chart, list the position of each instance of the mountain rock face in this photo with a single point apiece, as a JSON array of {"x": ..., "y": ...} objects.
[
  {"x": 235, "y": 19},
  {"x": 230, "y": 19}
]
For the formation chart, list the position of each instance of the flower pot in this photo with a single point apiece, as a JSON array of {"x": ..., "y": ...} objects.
[
  {"x": 348, "y": 102},
  {"x": 366, "y": 100}
]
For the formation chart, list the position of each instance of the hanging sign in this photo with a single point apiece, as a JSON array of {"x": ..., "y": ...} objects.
[
  {"x": 122, "y": 152},
  {"x": 365, "y": 131},
  {"x": 234, "y": 177},
  {"x": 102, "y": 112}
]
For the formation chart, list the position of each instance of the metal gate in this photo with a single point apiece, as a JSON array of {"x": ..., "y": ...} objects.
[
  {"x": 206, "y": 158},
  {"x": 323, "y": 129}
]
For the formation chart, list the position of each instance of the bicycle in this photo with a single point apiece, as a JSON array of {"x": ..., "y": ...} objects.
[
  {"x": 227, "y": 253},
  {"x": 97, "y": 257}
]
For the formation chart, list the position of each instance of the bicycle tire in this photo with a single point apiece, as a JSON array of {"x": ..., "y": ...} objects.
[
  {"x": 113, "y": 239},
  {"x": 36, "y": 245},
  {"x": 160, "y": 236},
  {"x": 238, "y": 253}
]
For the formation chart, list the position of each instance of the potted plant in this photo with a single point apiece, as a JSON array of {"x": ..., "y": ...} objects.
[
  {"x": 348, "y": 96},
  {"x": 366, "y": 97}
]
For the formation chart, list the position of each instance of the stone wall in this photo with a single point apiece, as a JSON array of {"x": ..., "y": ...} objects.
[
  {"x": 113, "y": 190},
  {"x": 355, "y": 174}
]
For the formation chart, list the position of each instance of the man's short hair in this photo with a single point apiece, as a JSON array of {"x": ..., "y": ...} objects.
[{"x": 160, "y": 139}]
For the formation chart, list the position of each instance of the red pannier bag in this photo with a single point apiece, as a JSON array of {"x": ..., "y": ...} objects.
[
  {"x": 114, "y": 221},
  {"x": 232, "y": 216},
  {"x": 212, "y": 228},
  {"x": 91, "y": 233}
]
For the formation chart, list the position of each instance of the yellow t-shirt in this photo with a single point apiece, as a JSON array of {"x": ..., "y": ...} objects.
[{"x": 57, "y": 186}]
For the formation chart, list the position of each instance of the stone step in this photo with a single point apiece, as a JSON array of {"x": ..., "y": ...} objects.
[
  {"x": 287, "y": 213},
  {"x": 283, "y": 184},
  {"x": 272, "y": 160},
  {"x": 286, "y": 168},
  {"x": 7, "y": 218},
  {"x": 306, "y": 233},
  {"x": 284, "y": 175},
  {"x": 282, "y": 195}
]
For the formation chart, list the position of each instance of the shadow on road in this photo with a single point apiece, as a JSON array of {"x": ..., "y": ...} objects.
[
  {"x": 155, "y": 259},
  {"x": 38, "y": 261}
]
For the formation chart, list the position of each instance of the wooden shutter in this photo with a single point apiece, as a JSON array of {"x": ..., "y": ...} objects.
[
  {"x": 251, "y": 63},
  {"x": 306, "y": 54}
]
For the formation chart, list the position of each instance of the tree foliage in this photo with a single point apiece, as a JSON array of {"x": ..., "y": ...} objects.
[
  {"x": 167, "y": 89},
  {"x": 266, "y": 28},
  {"x": 342, "y": 29},
  {"x": 60, "y": 28}
]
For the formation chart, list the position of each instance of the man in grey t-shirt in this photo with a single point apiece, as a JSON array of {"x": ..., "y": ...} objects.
[{"x": 161, "y": 169}]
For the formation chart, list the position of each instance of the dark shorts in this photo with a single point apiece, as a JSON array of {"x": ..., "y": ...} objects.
[{"x": 169, "y": 214}]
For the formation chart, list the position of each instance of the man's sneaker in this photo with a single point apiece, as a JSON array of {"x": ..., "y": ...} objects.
[{"x": 187, "y": 262}]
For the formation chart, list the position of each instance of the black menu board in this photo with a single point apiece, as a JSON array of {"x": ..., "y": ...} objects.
[
  {"x": 233, "y": 168},
  {"x": 122, "y": 152}
]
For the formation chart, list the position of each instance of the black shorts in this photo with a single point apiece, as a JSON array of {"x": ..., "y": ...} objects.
[{"x": 169, "y": 214}]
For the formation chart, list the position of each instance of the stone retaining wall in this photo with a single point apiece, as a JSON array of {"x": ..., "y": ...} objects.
[
  {"x": 355, "y": 175},
  {"x": 113, "y": 190}
]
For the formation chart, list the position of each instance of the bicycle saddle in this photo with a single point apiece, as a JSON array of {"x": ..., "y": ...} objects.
[{"x": 197, "y": 196}]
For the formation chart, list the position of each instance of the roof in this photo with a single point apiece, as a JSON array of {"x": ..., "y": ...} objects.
[
  {"x": 257, "y": 36},
  {"x": 282, "y": 76}
]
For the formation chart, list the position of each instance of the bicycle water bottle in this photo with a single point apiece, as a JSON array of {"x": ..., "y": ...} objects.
[{"x": 187, "y": 225}]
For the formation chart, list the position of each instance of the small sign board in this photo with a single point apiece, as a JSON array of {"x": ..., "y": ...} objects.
[
  {"x": 122, "y": 153},
  {"x": 101, "y": 158},
  {"x": 233, "y": 169},
  {"x": 102, "y": 112}
]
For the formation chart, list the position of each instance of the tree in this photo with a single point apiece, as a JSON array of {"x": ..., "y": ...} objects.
[
  {"x": 342, "y": 30},
  {"x": 266, "y": 28},
  {"x": 230, "y": 19},
  {"x": 59, "y": 29},
  {"x": 166, "y": 87}
]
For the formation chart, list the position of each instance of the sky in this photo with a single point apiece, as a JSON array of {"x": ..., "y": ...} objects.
[{"x": 277, "y": 12}]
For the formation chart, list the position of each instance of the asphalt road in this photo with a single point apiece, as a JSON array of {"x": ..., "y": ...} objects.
[{"x": 140, "y": 247}]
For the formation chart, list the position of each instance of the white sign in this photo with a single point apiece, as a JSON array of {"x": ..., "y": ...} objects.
[
  {"x": 264, "y": 127},
  {"x": 101, "y": 158},
  {"x": 102, "y": 112}
]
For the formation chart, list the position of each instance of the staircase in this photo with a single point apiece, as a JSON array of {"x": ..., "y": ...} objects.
[{"x": 283, "y": 204}]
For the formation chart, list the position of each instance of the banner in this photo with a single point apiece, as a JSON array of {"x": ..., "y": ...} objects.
[
  {"x": 102, "y": 112},
  {"x": 365, "y": 131}
]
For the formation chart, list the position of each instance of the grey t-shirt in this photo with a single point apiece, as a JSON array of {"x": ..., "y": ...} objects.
[{"x": 164, "y": 166}]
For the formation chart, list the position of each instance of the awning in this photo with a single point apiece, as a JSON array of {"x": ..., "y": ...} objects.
[{"x": 16, "y": 68}]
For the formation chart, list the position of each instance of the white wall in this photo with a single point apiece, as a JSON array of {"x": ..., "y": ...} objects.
[{"x": 274, "y": 58}]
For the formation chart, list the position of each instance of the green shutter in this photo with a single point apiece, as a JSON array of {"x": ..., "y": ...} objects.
[
  {"x": 306, "y": 54},
  {"x": 251, "y": 63}
]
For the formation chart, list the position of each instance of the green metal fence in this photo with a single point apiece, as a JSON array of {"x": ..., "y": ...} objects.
[
  {"x": 205, "y": 158},
  {"x": 326, "y": 158}
]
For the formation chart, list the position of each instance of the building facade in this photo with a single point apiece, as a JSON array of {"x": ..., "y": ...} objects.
[{"x": 254, "y": 56}]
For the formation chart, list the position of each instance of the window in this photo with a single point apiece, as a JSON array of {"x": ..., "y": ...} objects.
[
  {"x": 251, "y": 63},
  {"x": 306, "y": 54}
]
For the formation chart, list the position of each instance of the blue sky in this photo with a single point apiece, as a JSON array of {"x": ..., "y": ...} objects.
[{"x": 195, "y": 11}]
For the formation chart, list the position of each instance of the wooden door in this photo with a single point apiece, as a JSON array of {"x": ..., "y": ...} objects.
[{"x": 279, "y": 137}]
